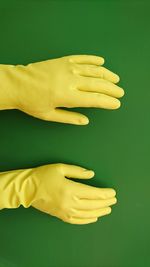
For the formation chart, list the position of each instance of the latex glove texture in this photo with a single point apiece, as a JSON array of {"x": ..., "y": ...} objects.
[
  {"x": 42, "y": 89},
  {"x": 48, "y": 189}
]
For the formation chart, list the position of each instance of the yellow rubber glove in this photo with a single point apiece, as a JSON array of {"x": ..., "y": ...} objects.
[
  {"x": 47, "y": 189},
  {"x": 41, "y": 89}
]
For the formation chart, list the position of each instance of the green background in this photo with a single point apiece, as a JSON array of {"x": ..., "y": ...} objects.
[{"x": 115, "y": 144}]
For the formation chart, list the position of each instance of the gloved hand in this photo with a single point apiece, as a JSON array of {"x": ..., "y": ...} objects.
[
  {"x": 41, "y": 89},
  {"x": 47, "y": 189}
]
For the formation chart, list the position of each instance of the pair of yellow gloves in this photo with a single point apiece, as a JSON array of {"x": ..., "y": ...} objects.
[{"x": 41, "y": 90}]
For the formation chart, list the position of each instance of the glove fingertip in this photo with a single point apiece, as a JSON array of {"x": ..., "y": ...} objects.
[
  {"x": 89, "y": 173},
  {"x": 83, "y": 120},
  {"x": 102, "y": 61}
]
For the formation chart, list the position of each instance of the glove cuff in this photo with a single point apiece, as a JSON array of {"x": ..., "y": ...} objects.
[{"x": 17, "y": 188}]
